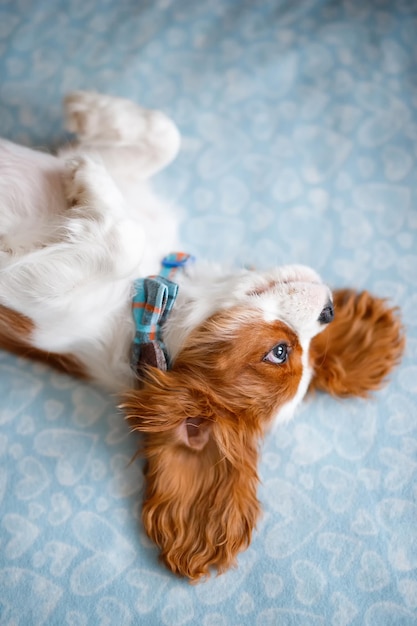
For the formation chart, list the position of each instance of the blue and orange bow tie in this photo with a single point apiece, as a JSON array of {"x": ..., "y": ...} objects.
[{"x": 152, "y": 302}]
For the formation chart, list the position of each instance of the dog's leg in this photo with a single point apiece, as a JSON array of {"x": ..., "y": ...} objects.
[
  {"x": 67, "y": 297},
  {"x": 131, "y": 140},
  {"x": 96, "y": 205},
  {"x": 92, "y": 255}
]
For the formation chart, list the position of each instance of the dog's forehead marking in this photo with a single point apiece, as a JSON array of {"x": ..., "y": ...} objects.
[{"x": 297, "y": 304}]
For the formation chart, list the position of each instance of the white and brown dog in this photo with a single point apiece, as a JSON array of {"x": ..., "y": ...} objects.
[{"x": 236, "y": 351}]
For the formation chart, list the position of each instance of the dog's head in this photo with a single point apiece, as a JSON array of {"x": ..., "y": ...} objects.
[{"x": 240, "y": 348}]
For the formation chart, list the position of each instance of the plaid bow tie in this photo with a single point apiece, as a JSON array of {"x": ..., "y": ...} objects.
[{"x": 152, "y": 302}]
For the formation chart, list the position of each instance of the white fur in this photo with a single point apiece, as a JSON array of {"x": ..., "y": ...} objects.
[{"x": 76, "y": 229}]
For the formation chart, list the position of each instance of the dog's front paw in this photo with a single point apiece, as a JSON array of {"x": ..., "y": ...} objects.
[
  {"x": 73, "y": 179},
  {"x": 83, "y": 176},
  {"x": 81, "y": 113},
  {"x": 88, "y": 184},
  {"x": 9, "y": 246},
  {"x": 6, "y": 244},
  {"x": 104, "y": 119}
]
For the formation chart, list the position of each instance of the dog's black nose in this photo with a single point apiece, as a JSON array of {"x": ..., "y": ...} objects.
[{"x": 327, "y": 313}]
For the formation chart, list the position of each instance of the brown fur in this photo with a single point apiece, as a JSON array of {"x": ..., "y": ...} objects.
[
  {"x": 354, "y": 355},
  {"x": 15, "y": 334},
  {"x": 203, "y": 420},
  {"x": 200, "y": 505}
]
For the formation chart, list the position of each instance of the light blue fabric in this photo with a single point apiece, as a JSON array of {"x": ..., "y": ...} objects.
[{"x": 299, "y": 121}]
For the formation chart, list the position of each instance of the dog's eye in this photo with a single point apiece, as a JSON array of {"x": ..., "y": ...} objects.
[{"x": 278, "y": 354}]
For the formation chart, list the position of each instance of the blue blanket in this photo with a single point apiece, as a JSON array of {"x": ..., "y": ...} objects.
[{"x": 299, "y": 121}]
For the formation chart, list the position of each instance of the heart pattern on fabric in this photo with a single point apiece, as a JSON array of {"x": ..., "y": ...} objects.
[
  {"x": 72, "y": 450},
  {"x": 112, "y": 554},
  {"x": 300, "y": 519},
  {"x": 299, "y": 133},
  {"x": 23, "y": 535},
  {"x": 34, "y": 479}
]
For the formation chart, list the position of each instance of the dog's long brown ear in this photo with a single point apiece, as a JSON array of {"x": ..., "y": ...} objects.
[
  {"x": 200, "y": 505},
  {"x": 356, "y": 352}
]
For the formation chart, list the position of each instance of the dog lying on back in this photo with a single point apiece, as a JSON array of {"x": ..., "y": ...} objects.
[{"x": 204, "y": 360}]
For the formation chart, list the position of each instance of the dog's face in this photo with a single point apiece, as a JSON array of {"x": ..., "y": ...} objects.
[
  {"x": 241, "y": 348},
  {"x": 247, "y": 336}
]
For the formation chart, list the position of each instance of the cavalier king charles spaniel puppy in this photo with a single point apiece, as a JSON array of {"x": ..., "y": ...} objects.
[{"x": 202, "y": 358}]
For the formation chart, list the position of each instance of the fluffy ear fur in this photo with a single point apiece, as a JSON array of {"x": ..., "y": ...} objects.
[
  {"x": 355, "y": 353},
  {"x": 200, "y": 505}
]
